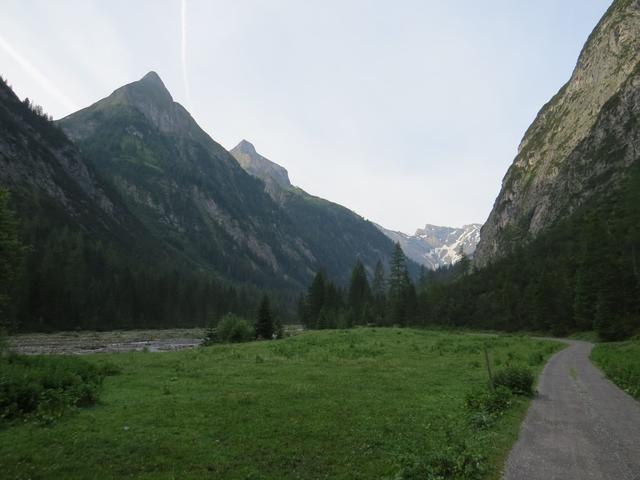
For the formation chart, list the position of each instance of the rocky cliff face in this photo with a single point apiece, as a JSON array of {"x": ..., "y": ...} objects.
[
  {"x": 38, "y": 162},
  {"x": 434, "y": 246},
  {"x": 273, "y": 175},
  {"x": 565, "y": 156}
]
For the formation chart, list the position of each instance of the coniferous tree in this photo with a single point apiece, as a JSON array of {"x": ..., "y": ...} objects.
[
  {"x": 379, "y": 292},
  {"x": 359, "y": 298},
  {"x": 264, "y": 321},
  {"x": 316, "y": 298},
  {"x": 402, "y": 298}
]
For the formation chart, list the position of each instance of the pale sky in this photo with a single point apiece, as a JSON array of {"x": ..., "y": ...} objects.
[{"x": 408, "y": 112}]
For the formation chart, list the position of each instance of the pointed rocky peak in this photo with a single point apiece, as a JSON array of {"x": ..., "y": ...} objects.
[
  {"x": 148, "y": 96},
  {"x": 258, "y": 166},
  {"x": 147, "y": 92},
  {"x": 152, "y": 78},
  {"x": 246, "y": 147}
]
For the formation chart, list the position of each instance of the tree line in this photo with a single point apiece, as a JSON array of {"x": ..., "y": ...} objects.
[{"x": 386, "y": 300}]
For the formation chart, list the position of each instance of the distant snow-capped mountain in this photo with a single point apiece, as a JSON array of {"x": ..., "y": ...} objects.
[{"x": 434, "y": 246}]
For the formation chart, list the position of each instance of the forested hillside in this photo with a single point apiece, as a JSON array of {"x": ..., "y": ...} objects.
[
  {"x": 142, "y": 220},
  {"x": 89, "y": 262}
]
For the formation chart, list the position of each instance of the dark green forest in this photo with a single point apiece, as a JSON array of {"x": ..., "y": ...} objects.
[{"x": 59, "y": 277}]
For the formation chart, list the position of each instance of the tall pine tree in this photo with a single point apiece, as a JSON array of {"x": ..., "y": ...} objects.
[
  {"x": 264, "y": 322},
  {"x": 359, "y": 298},
  {"x": 402, "y": 294}
]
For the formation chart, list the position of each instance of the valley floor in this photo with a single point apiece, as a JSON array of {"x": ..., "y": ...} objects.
[{"x": 357, "y": 404}]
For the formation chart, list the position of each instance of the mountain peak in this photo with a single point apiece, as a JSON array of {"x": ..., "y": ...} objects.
[
  {"x": 152, "y": 78},
  {"x": 149, "y": 88},
  {"x": 434, "y": 246},
  {"x": 258, "y": 166},
  {"x": 150, "y": 97},
  {"x": 245, "y": 147}
]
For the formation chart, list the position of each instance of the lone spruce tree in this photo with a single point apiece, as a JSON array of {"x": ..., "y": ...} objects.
[
  {"x": 264, "y": 322},
  {"x": 359, "y": 296},
  {"x": 401, "y": 298}
]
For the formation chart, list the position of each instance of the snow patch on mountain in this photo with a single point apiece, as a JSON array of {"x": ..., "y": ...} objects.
[{"x": 434, "y": 246}]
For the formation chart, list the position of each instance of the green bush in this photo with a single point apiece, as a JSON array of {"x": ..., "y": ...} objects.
[
  {"x": 485, "y": 406},
  {"x": 484, "y": 400},
  {"x": 518, "y": 379},
  {"x": 230, "y": 329},
  {"x": 455, "y": 462},
  {"x": 536, "y": 358},
  {"x": 47, "y": 386}
]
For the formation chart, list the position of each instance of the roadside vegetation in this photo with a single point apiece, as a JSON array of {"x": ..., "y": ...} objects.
[
  {"x": 621, "y": 363},
  {"x": 362, "y": 403}
]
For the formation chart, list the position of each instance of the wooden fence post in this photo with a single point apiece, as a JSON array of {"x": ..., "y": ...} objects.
[{"x": 486, "y": 359}]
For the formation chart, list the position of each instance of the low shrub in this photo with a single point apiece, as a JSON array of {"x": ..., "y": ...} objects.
[
  {"x": 47, "y": 386},
  {"x": 230, "y": 329},
  {"x": 456, "y": 462},
  {"x": 484, "y": 406},
  {"x": 516, "y": 378},
  {"x": 535, "y": 359}
]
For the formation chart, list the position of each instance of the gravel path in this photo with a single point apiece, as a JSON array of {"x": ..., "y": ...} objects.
[{"x": 580, "y": 426}]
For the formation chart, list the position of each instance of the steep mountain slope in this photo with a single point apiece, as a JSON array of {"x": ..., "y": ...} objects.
[
  {"x": 434, "y": 246},
  {"x": 335, "y": 234},
  {"x": 39, "y": 161},
  {"x": 564, "y": 158},
  {"x": 561, "y": 250},
  {"x": 90, "y": 262},
  {"x": 187, "y": 189}
]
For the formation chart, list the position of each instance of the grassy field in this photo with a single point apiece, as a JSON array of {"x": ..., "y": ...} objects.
[
  {"x": 621, "y": 363},
  {"x": 358, "y": 404}
]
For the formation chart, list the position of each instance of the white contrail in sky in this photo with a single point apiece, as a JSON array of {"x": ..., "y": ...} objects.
[
  {"x": 38, "y": 76},
  {"x": 185, "y": 78}
]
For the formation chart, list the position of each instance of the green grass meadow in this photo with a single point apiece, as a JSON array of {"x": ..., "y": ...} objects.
[
  {"x": 621, "y": 363},
  {"x": 356, "y": 404}
]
